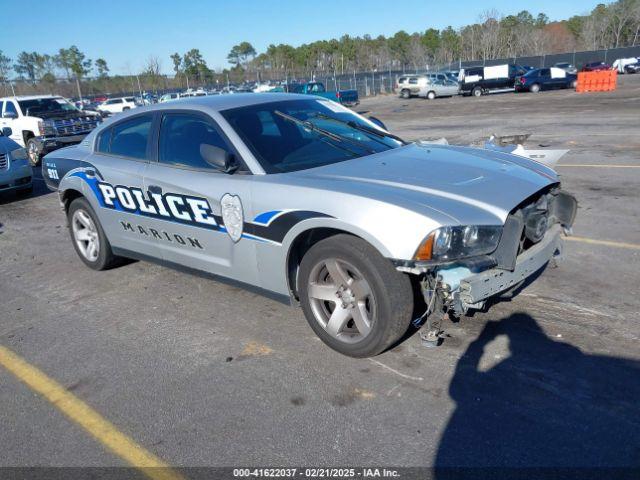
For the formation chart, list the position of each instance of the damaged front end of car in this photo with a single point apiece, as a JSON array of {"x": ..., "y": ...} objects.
[{"x": 460, "y": 268}]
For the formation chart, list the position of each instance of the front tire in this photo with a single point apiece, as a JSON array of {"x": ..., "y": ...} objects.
[
  {"x": 33, "y": 152},
  {"x": 88, "y": 238},
  {"x": 431, "y": 95},
  {"x": 353, "y": 297},
  {"x": 476, "y": 92}
]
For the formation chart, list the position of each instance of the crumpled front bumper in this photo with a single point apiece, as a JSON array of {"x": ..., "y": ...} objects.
[{"x": 480, "y": 286}]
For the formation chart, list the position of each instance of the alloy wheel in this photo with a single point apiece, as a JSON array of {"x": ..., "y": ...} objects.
[
  {"x": 34, "y": 155},
  {"x": 85, "y": 234},
  {"x": 341, "y": 300}
]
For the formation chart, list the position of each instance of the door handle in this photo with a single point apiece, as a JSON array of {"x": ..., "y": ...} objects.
[{"x": 155, "y": 189}]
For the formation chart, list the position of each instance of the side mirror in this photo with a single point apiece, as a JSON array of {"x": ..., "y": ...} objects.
[
  {"x": 378, "y": 122},
  {"x": 218, "y": 158},
  {"x": 10, "y": 115},
  {"x": 6, "y": 131}
]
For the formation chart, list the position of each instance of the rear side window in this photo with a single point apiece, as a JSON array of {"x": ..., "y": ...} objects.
[
  {"x": 545, "y": 72},
  {"x": 402, "y": 79},
  {"x": 413, "y": 81},
  {"x": 104, "y": 142},
  {"x": 131, "y": 137},
  {"x": 181, "y": 136}
]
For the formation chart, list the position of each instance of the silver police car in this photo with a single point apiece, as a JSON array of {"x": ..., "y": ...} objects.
[{"x": 302, "y": 197}]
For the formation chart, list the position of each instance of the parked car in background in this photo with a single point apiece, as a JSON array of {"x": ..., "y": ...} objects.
[
  {"x": 428, "y": 86},
  {"x": 595, "y": 67},
  {"x": 193, "y": 93},
  {"x": 407, "y": 86},
  {"x": 146, "y": 99},
  {"x": 15, "y": 171},
  {"x": 117, "y": 105},
  {"x": 168, "y": 96},
  {"x": 479, "y": 81},
  {"x": 345, "y": 97},
  {"x": 567, "y": 67},
  {"x": 632, "y": 68},
  {"x": 436, "y": 87},
  {"x": 545, "y": 79},
  {"x": 43, "y": 123},
  {"x": 621, "y": 64}
]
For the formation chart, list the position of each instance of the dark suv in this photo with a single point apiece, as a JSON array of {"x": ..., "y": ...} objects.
[{"x": 478, "y": 81}]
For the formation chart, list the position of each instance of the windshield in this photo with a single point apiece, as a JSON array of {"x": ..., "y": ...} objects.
[
  {"x": 29, "y": 107},
  {"x": 295, "y": 135}
]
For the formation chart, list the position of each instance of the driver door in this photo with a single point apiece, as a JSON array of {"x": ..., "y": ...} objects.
[{"x": 195, "y": 234}]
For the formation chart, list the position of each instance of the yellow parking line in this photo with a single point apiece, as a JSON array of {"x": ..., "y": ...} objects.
[
  {"x": 596, "y": 165},
  {"x": 82, "y": 414},
  {"x": 607, "y": 243}
]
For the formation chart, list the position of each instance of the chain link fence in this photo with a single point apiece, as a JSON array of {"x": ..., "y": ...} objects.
[
  {"x": 366, "y": 83},
  {"x": 381, "y": 82}
]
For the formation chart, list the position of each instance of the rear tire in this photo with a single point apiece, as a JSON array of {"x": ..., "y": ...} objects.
[
  {"x": 535, "y": 88},
  {"x": 431, "y": 95},
  {"x": 85, "y": 230},
  {"x": 353, "y": 297},
  {"x": 405, "y": 93},
  {"x": 476, "y": 92}
]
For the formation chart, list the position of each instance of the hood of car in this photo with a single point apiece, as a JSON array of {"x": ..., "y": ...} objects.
[
  {"x": 7, "y": 145},
  {"x": 456, "y": 181},
  {"x": 57, "y": 114}
]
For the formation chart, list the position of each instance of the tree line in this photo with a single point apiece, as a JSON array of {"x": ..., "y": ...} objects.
[{"x": 492, "y": 36}]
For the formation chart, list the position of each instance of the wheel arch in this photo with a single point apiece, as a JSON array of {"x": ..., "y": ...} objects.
[
  {"x": 26, "y": 135},
  {"x": 303, "y": 240},
  {"x": 68, "y": 196}
]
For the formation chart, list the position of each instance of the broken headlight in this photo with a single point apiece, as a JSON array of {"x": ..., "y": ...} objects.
[{"x": 453, "y": 243}]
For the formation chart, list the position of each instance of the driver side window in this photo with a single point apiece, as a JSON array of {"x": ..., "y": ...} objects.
[{"x": 182, "y": 134}]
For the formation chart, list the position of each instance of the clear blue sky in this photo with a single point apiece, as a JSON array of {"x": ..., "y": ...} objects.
[{"x": 126, "y": 33}]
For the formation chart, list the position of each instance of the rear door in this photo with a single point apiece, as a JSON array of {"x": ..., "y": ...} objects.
[
  {"x": 196, "y": 232},
  {"x": 413, "y": 85},
  {"x": 545, "y": 80},
  {"x": 120, "y": 158}
]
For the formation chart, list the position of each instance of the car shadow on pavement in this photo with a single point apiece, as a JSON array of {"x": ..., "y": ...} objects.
[{"x": 547, "y": 406}]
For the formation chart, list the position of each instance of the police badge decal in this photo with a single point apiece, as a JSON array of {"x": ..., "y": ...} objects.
[{"x": 232, "y": 215}]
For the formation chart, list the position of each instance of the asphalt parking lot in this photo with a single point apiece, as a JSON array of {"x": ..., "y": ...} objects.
[{"x": 200, "y": 373}]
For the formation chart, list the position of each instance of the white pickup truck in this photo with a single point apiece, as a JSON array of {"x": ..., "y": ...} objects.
[{"x": 43, "y": 123}]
